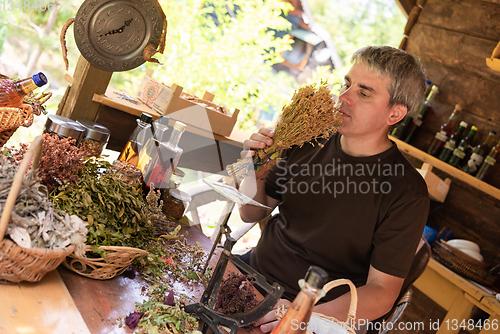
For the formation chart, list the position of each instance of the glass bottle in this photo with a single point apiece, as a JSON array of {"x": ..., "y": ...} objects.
[
  {"x": 450, "y": 145},
  {"x": 488, "y": 163},
  {"x": 401, "y": 128},
  {"x": 153, "y": 144},
  {"x": 421, "y": 112},
  {"x": 428, "y": 87},
  {"x": 165, "y": 161},
  {"x": 297, "y": 317},
  {"x": 460, "y": 151},
  {"x": 138, "y": 138},
  {"x": 477, "y": 157},
  {"x": 444, "y": 133},
  {"x": 12, "y": 92}
]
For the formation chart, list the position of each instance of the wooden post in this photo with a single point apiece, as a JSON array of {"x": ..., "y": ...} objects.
[{"x": 88, "y": 80}]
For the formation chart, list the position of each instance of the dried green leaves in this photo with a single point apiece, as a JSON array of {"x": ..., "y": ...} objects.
[{"x": 115, "y": 211}]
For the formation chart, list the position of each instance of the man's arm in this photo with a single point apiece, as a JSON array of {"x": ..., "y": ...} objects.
[
  {"x": 375, "y": 299},
  {"x": 254, "y": 185}
]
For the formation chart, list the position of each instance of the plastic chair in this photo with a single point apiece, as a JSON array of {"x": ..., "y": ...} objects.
[{"x": 418, "y": 266}]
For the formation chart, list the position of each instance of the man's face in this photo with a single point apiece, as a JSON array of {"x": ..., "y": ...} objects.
[{"x": 365, "y": 104}]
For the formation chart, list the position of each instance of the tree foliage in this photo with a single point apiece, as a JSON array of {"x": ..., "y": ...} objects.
[
  {"x": 226, "y": 48},
  {"x": 354, "y": 24},
  {"x": 230, "y": 56}
]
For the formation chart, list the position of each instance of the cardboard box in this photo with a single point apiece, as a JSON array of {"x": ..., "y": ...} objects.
[
  {"x": 437, "y": 188},
  {"x": 154, "y": 94},
  {"x": 201, "y": 113}
]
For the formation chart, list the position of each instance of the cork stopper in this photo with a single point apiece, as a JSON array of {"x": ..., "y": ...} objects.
[
  {"x": 458, "y": 107},
  {"x": 179, "y": 126},
  {"x": 316, "y": 277}
]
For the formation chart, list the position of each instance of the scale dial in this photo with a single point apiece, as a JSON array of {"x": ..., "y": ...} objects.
[{"x": 112, "y": 34}]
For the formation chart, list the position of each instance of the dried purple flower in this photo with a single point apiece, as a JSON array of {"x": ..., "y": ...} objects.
[
  {"x": 132, "y": 320},
  {"x": 169, "y": 299}
]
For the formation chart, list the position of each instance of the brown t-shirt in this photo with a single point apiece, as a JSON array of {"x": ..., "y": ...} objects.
[{"x": 341, "y": 213}]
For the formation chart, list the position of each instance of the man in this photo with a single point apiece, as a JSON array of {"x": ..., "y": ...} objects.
[{"x": 354, "y": 206}]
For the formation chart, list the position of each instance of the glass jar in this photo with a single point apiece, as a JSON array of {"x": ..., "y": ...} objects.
[
  {"x": 176, "y": 179},
  {"x": 175, "y": 203},
  {"x": 64, "y": 128},
  {"x": 95, "y": 138}
]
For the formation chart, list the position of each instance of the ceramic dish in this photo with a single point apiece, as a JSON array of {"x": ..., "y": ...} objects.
[{"x": 464, "y": 244}]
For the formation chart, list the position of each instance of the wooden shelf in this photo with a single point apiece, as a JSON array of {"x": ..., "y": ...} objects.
[
  {"x": 112, "y": 100},
  {"x": 448, "y": 169}
]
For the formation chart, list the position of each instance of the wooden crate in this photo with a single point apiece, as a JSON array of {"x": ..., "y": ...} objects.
[
  {"x": 192, "y": 112},
  {"x": 437, "y": 188}
]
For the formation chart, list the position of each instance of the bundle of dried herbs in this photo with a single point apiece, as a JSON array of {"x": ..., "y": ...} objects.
[
  {"x": 174, "y": 260},
  {"x": 161, "y": 314},
  {"x": 311, "y": 114},
  {"x": 60, "y": 161},
  {"x": 15, "y": 155},
  {"x": 34, "y": 221},
  {"x": 115, "y": 211},
  {"x": 235, "y": 295}
]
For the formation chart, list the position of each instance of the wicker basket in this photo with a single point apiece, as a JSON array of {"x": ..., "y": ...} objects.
[
  {"x": 118, "y": 259},
  {"x": 22, "y": 264},
  {"x": 463, "y": 264},
  {"x": 12, "y": 118}
]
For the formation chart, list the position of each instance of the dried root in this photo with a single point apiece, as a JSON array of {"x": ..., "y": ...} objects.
[{"x": 62, "y": 39}]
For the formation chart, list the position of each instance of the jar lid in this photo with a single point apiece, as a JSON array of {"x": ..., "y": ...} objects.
[
  {"x": 64, "y": 127},
  {"x": 178, "y": 194},
  {"x": 95, "y": 131}
]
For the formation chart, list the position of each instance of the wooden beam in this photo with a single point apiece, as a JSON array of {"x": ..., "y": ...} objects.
[
  {"x": 405, "y": 6},
  {"x": 88, "y": 80}
]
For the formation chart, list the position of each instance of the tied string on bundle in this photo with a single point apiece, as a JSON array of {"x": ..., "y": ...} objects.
[{"x": 311, "y": 114}]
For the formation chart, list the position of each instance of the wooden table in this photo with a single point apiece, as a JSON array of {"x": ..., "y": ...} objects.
[
  {"x": 458, "y": 296},
  {"x": 203, "y": 150},
  {"x": 65, "y": 302}
]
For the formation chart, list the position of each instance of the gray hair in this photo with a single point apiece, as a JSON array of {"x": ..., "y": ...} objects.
[{"x": 405, "y": 73}]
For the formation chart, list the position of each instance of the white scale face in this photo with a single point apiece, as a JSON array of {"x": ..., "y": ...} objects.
[{"x": 112, "y": 34}]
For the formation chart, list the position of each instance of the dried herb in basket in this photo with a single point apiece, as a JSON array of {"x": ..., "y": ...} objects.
[{"x": 115, "y": 211}]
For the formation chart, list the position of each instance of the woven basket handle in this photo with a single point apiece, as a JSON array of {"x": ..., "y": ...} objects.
[
  {"x": 34, "y": 151},
  {"x": 351, "y": 315}
]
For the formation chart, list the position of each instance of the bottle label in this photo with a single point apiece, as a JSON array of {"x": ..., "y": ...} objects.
[
  {"x": 472, "y": 165},
  {"x": 450, "y": 144},
  {"x": 459, "y": 152},
  {"x": 441, "y": 136},
  {"x": 478, "y": 159},
  {"x": 490, "y": 160}
]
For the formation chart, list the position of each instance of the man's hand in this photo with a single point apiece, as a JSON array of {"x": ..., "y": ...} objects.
[
  {"x": 269, "y": 321},
  {"x": 257, "y": 141},
  {"x": 254, "y": 185}
]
